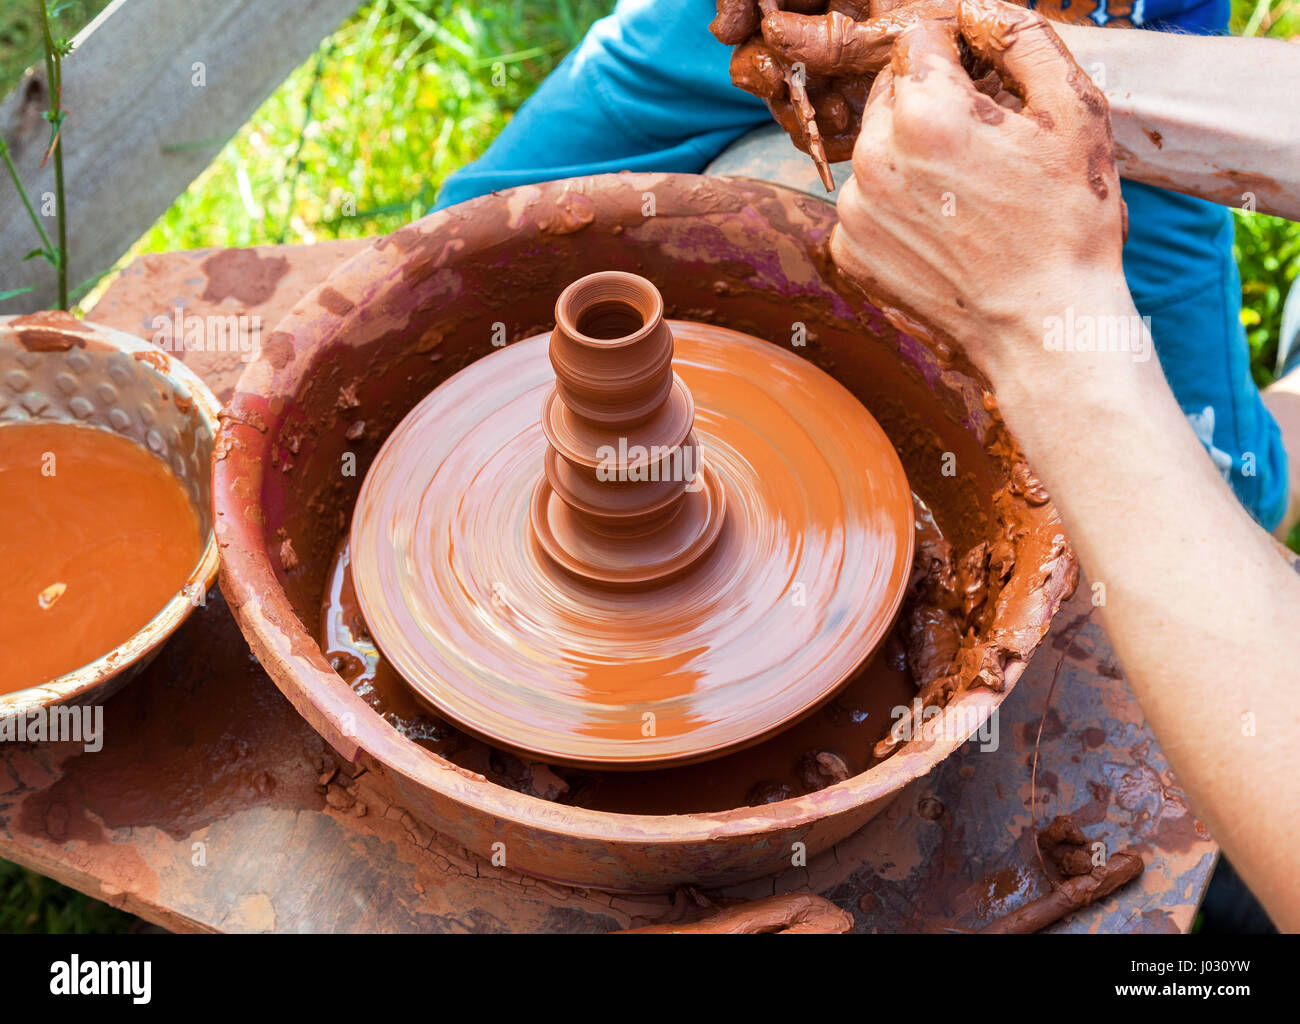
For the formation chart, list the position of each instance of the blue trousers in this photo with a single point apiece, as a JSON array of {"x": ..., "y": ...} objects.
[{"x": 648, "y": 89}]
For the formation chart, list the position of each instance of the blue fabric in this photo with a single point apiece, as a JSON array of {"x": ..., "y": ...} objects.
[
  {"x": 648, "y": 89},
  {"x": 1181, "y": 272},
  {"x": 1201, "y": 17}
]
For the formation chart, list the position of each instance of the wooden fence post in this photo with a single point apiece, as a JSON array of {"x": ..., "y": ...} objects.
[{"x": 153, "y": 90}]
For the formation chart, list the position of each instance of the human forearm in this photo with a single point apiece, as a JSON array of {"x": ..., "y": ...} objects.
[
  {"x": 1190, "y": 586},
  {"x": 1191, "y": 113},
  {"x": 950, "y": 185}
]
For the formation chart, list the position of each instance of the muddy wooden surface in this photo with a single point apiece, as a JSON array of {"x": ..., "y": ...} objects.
[{"x": 214, "y": 807}]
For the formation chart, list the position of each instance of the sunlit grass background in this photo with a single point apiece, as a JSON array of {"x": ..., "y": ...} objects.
[
  {"x": 1268, "y": 248},
  {"x": 402, "y": 95},
  {"x": 358, "y": 140}
]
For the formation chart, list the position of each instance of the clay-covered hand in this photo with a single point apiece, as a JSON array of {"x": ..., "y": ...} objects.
[
  {"x": 834, "y": 47},
  {"x": 755, "y": 67},
  {"x": 966, "y": 216}
]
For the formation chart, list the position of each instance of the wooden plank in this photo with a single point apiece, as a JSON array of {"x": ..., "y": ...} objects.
[
  {"x": 255, "y": 281},
  {"x": 140, "y": 126}
]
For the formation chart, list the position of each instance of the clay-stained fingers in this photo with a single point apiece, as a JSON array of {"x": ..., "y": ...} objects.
[
  {"x": 830, "y": 44},
  {"x": 1033, "y": 62},
  {"x": 738, "y": 20},
  {"x": 861, "y": 10},
  {"x": 931, "y": 90},
  {"x": 735, "y": 21},
  {"x": 882, "y": 90},
  {"x": 924, "y": 46},
  {"x": 755, "y": 69},
  {"x": 859, "y": 234},
  {"x": 877, "y": 122},
  {"x": 844, "y": 253},
  {"x": 873, "y": 152}
]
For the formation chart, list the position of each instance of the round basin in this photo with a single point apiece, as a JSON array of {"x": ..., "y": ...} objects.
[{"x": 362, "y": 349}]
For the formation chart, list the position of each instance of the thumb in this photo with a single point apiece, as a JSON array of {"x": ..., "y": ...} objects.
[{"x": 932, "y": 93}]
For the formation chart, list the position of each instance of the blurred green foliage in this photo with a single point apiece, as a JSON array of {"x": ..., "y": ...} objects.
[
  {"x": 20, "y": 32},
  {"x": 358, "y": 140},
  {"x": 32, "y": 904},
  {"x": 1268, "y": 256},
  {"x": 1267, "y": 248}
]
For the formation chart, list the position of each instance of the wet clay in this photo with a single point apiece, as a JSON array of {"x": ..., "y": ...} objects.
[
  {"x": 804, "y": 111},
  {"x": 98, "y": 536},
  {"x": 782, "y": 84},
  {"x": 844, "y": 737},
  {"x": 625, "y": 498},
  {"x": 843, "y": 47},
  {"x": 821, "y": 113},
  {"x": 49, "y": 330},
  {"x": 1073, "y": 894},
  {"x": 210, "y": 737},
  {"x": 787, "y": 914},
  {"x": 805, "y": 578}
]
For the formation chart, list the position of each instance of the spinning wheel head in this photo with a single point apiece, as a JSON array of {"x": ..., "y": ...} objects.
[{"x": 702, "y": 557}]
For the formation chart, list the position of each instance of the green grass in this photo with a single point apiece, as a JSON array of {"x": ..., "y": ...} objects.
[
  {"x": 1267, "y": 248},
  {"x": 20, "y": 32},
  {"x": 357, "y": 141},
  {"x": 1268, "y": 255}
]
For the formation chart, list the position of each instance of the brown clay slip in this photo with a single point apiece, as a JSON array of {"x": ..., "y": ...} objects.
[
  {"x": 789, "y": 914},
  {"x": 98, "y": 536},
  {"x": 624, "y": 499}
]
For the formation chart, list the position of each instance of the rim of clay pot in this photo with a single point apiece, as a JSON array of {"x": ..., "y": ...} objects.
[
  {"x": 611, "y": 286},
  {"x": 83, "y": 683},
  {"x": 290, "y": 653}
]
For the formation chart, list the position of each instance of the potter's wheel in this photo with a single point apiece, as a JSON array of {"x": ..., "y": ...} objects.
[{"x": 669, "y": 624}]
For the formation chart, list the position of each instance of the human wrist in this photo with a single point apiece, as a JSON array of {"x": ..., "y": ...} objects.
[
  {"x": 1105, "y": 55},
  {"x": 1110, "y": 58},
  {"x": 1020, "y": 337},
  {"x": 1083, "y": 355}
]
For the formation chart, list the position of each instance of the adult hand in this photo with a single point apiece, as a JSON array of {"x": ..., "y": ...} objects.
[
  {"x": 970, "y": 219},
  {"x": 978, "y": 221}
]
